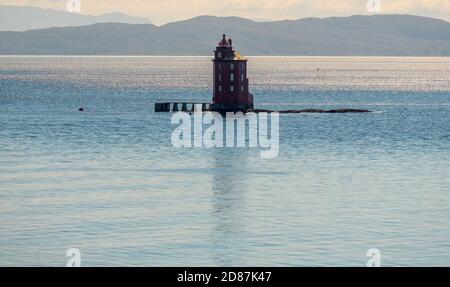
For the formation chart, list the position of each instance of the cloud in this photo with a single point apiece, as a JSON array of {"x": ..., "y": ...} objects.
[{"x": 259, "y": 4}]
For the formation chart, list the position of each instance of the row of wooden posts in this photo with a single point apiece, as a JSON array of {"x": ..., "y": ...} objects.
[{"x": 185, "y": 107}]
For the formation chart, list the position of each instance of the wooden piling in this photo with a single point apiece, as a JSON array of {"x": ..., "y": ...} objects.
[{"x": 185, "y": 107}]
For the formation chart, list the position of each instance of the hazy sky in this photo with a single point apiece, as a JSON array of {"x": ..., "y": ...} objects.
[{"x": 163, "y": 11}]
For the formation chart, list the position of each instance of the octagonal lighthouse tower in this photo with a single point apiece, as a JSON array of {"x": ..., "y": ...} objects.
[{"x": 231, "y": 92}]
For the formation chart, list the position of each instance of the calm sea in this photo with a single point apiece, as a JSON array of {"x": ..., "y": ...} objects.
[{"x": 109, "y": 182}]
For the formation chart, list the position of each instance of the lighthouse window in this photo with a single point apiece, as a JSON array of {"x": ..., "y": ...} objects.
[
  {"x": 242, "y": 77},
  {"x": 232, "y": 77},
  {"x": 231, "y": 88},
  {"x": 242, "y": 66},
  {"x": 219, "y": 54},
  {"x": 242, "y": 88},
  {"x": 220, "y": 88},
  {"x": 220, "y": 76},
  {"x": 232, "y": 66}
]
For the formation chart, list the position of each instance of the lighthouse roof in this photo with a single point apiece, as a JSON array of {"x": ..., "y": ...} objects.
[{"x": 225, "y": 43}]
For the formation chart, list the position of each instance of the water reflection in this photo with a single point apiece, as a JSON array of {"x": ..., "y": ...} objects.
[{"x": 229, "y": 185}]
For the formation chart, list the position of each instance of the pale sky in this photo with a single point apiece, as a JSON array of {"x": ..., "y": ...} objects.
[{"x": 163, "y": 11}]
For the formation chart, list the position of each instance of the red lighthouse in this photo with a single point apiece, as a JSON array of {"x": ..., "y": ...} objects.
[{"x": 231, "y": 92}]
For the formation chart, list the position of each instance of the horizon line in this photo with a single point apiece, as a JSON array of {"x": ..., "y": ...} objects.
[{"x": 193, "y": 56}]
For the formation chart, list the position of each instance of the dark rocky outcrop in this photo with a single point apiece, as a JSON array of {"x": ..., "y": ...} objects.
[{"x": 315, "y": 111}]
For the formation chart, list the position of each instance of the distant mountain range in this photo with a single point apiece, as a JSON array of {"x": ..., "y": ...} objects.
[
  {"x": 22, "y": 18},
  {"x": 379, "y": 35}
]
